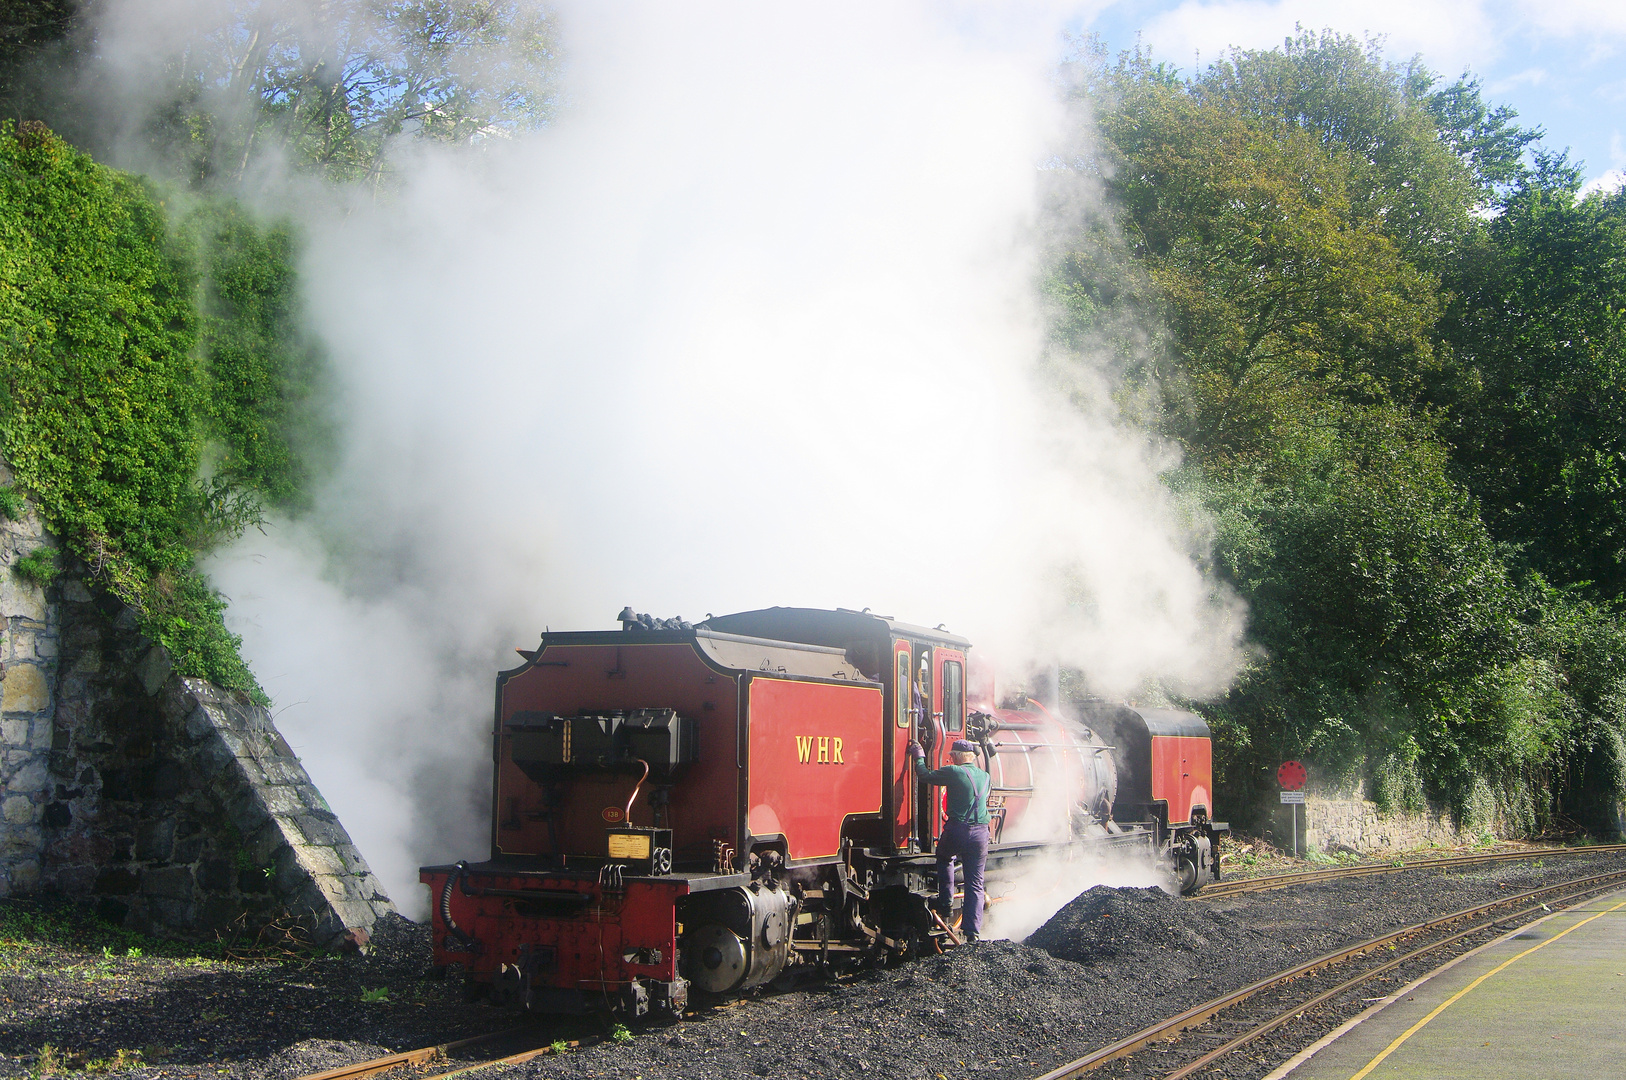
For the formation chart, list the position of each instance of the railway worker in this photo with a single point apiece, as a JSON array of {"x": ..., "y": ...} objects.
[{"x": 965, "y": 834}]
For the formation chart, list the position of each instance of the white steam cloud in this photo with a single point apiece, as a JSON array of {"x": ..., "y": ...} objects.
[
  {"x": 1020, "y": 904},
  {"x": 753, "y": 322}
]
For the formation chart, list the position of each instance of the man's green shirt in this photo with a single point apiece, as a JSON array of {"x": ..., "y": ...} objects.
[{"x": 967, "y": 790}]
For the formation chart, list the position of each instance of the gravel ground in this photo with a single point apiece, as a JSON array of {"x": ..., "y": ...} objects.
[
  {"x": 1109, "y": 963},
  {"x": 188, "y": 1015}
]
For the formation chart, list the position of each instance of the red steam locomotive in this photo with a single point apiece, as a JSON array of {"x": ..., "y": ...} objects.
[{"x": 716, "y": 805}]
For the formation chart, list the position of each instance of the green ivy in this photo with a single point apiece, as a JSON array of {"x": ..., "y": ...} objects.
[
  {"x": 133, "y": 354},
  {"x": 262, "y": 373}
]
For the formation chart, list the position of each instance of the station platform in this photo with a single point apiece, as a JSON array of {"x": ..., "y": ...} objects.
[{"x": 1545, "y": 1002}]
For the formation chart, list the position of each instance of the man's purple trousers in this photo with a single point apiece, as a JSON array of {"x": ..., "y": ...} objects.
[{"x": 968, "y": 843}]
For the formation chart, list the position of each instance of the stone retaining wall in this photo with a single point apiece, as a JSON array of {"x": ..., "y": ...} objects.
[
  {"x": 1331, "y": 822},
  {"x": 28, "y": 669},
  {"x": 176, "y": 807},
  {"x": 1335, "y": 824}
]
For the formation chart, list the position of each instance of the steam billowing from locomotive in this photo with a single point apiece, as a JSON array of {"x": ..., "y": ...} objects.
[{"x": 755, "y": 321}]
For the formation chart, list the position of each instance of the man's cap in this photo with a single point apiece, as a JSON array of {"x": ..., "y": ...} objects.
[{"x": 964, "y": 746}]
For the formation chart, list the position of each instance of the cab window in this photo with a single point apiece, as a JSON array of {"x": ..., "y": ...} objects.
[
  {"x": 902, "y": 688},
  {"x": 953, "y": 696}
]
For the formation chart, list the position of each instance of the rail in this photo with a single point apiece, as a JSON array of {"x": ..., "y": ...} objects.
[
  {"x": 430, "y": 1055},
  {"x": 1166, "y": 1030},
  {"x": 1306, "y": 877}
]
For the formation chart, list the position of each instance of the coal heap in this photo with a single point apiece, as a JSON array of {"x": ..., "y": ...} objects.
[{"x": 1107, "y": 927}]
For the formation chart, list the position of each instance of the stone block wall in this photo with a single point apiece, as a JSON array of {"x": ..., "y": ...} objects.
[
  {"x": 1349, "y": 821},
  {"x": 28, "y": 670},
  {"x": 175, "y": 807},
  {"x": 178, "y": 807}
]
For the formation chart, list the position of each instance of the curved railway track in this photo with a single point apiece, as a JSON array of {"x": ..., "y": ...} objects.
[
  {"x": 1184, "y": 1048},
  {"x": 1305, "y": 877}
]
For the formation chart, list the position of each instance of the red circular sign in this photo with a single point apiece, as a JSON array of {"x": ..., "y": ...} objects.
[
  {"x": 612, "y": 814},
  {"x": 1291, "y": 776}
]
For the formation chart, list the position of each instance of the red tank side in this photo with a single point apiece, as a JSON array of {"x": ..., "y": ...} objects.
[
  {"x": 1182, "y": 774},
  {"x": 815, "y": 753}
]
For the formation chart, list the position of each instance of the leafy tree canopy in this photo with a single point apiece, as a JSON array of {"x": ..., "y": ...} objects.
[
  {"x": 1542, "y": 328},
  {"x": 328, "y": 85},
  {"x": 1279, "y": 290}
]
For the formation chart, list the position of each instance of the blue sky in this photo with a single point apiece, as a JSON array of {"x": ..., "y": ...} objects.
[{"x": 1560, "y": 63}]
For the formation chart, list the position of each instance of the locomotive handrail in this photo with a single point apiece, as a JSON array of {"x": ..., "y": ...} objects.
[{"x": 1097, "y": 747}]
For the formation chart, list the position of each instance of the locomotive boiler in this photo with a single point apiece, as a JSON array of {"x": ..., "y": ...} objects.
[{"x": 720, "y": 804}]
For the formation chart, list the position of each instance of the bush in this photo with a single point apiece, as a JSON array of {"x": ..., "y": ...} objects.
[
  {"x": 38, "y": 567},
  {"x": 128, "y": 350}
]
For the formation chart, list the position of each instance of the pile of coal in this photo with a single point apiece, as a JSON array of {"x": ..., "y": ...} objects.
[
  {"x": 400, "y": 947},
  {"x": 1107, "y": 926}
]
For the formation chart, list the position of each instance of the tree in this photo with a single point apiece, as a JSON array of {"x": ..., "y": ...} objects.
[
  {"x": 1381, "y": 116},
  {"x": 1299, "y": 221},
  {"x": 330, "y": 85},
  {"x": 1485, "y": 139},
  {"x": 126, "y": 347},
  {"x": 1542, "y": 329},
  {"x": 26, "y": 27},
  {"x": 1385, "y": 621},
  {"x": 1277, "y": 291}
]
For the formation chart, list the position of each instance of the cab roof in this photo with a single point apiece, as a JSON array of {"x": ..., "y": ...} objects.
[{"x": 838, "y": 629}]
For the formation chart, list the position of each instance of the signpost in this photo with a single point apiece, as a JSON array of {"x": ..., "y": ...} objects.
[{"x": 1291, "y": 776}]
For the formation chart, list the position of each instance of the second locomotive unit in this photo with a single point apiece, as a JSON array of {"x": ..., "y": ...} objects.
[{"x": 715, "y": 805}]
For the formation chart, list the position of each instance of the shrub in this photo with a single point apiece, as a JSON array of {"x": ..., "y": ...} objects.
[
  {"x": 38, "y": 567},
  {"x": 128, "y": 350}
]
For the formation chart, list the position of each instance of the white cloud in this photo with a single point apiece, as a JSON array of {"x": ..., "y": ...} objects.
[
  {"x": 1570, "y": 18},
  {"x": 1528, "y": 77},
  {"x": 748, "y": 325},
  {"x": 1612, "y": 180},
  {"x": 1616, "y": 176}
]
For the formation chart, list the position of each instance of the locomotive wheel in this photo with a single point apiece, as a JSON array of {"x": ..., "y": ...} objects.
[
  {"x": 716, "y": 958},
  {"x": 1185, "y": 872}
]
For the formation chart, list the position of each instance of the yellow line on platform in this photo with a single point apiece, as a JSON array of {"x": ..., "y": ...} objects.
[{"x": 1460, "y": 994}]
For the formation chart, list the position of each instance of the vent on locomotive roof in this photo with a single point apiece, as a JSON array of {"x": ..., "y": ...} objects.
[{"x": 639, "y": 621}]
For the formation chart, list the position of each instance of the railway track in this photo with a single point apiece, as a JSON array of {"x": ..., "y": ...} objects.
[
  {"x": 443, "y": 1061},
  {"x": 1186, "y": 1043},
  {"x": 1305, "y": 877}
]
